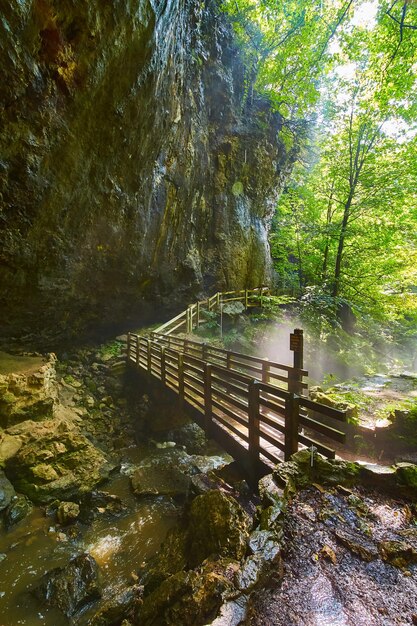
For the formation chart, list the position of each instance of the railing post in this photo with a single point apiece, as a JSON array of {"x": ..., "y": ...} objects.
[
  {"x": 265, "y": 371},
  {"x": 207, "y": 399},
  {"x": 149, "y": 356},
  {"x": 297, "y": 346},
  {"x": 292, "y": 411},
  {"x": 128, "y": 347},
  {"x": 246, "y": 298},
  {"x": 185, "y": 346},
  {"x": 228, "y": 360},
  {"x": 137, "y": 351},
  {"x": 204, "y": 352},
  {"x": 198, "y": 315},
  {"x": 218, "y": 298},
  {"x": 253, "y": 425},
  {"x": 181, "y": 379},
  {"x": 163, "y": 368}
]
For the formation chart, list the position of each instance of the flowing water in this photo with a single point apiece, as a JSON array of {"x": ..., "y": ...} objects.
[{"x": 119, "y": 545}]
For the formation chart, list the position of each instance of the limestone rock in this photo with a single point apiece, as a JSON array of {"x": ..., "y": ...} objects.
[
  {"x": 7, "y": 491},
  {"x": 218, "y": 525},
  {"x": 358, "y": 544},
  {"x": 67, "y": 512},
  {"x": 171, "y": 133},
  {"x": 59, "y": 463},
  {"x": 161, "y": 482},
  {"x": 186, "y": 598},
  {"x": 17, "y": 510},
  {"x": 71, "y": 587},
  {"x": 123, "y": 603},
  {"x": 398, "y": 553}
]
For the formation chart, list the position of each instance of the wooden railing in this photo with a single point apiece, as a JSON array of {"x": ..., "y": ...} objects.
[
  {"x": 192, "y": 317},
  {"x": 254, "y": 407}
]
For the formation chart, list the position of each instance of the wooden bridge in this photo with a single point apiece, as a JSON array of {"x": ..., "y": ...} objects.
[{"x": 255, "y": 408}]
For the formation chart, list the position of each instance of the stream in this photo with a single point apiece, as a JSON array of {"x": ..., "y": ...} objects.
[{"x": 119, "y": 544}]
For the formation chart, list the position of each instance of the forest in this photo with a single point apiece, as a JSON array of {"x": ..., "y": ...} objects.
[
  {"x": 208, "y": 329},
  {"x": 344, "y": 231}
]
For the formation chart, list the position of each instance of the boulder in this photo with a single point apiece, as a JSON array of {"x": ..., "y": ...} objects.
[
  {"x": 306, "y": 467},
  {"x": 218, "y": 525},
  {"x": 56, "y": 463},
  {"x": 30, "y": 393},
  {"x": 123, "y": 603},
  {"x": 17, "y": 510},
  {"x": 186, "y": 598},
  {"x": 72, "y": 587},
  {"x": 398, "y": 553},
  {"x": 67, "y": 512},
  {"x": 164, "y": 474},
  {"x": 7, "y": 491}
]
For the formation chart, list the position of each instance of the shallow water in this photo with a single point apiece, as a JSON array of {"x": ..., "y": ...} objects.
[{"x": 119, "y": 545}]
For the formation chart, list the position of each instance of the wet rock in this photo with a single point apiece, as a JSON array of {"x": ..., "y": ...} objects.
[
  {"x": 99, "y": 504},
  {"x": 407, "y": 473},
  {"x": 59, "y": 463},
  {"x": 9, "y": 446},
  {"x": 72, "y": 587},
  {"x": 17, "y": 510},
  {"x": 125, "y": 603},
  {"x": 218, "y": 525},
  {"x": 232, "y": 613},
  {"x": 300, "y": 471},
  {"x": 29, "y": 394},
  {"x": 159, "y": 481},
  {"x": 67, "y": 512},
  {"x": 398, "y": 553},
  {"x": 7, "y": 491},
  {"x": 186, "y": 598},
  {"x": 171, "y": 559},
  {"x": 357, "y": 544},
  {"x": 191, "y": 436}
]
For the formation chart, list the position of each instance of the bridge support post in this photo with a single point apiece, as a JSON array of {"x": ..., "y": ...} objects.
[
  {"x": 265, "y": 372},
  {"x": 208, "y": 408},
  {"x": 149, "y": 356},
  {"x": 137, "y": 351},
  {"x": 181, "y": 380},
  {"x": 297, "y": 346},
  {"x": 292, "y": 412},
  {"x": 163, "y": 369},
  {"x": 253, "y": 426},
  {"x": 129, "y": 339}
]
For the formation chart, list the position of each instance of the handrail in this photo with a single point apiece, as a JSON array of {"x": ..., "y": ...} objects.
[
  {"x": 219, "y": 298},
  {"x": 237, "y": 398}
]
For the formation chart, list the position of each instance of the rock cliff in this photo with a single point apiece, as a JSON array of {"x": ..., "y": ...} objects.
[{"x": 137, "y": 162}]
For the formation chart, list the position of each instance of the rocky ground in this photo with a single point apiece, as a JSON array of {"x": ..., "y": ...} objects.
[{"x": 183, "y": 541}]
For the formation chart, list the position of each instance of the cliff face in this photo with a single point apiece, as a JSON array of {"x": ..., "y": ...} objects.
[{"x": 136, "y": 165}]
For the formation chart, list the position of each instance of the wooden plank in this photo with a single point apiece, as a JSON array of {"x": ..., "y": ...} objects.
[
  {"x": 323, "y": 409},
  {"x": 272, "y": 457},
  {"x": 308, "y": 441},
  {"x": 266, "y": 419},
  {"x": 190, "y": 397},
  {"x": 328, "y": 431},
  {"x": 227, "y": 398},
  {"x": 273, "y": 406},
  {"x": 230, "y": 427},
  {"x": 267, "y": 436},
  {"x": 232, "y": 388},
  {"x": 230, "y": 413}
]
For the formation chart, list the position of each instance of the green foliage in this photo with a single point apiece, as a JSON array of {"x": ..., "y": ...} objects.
[{"x": 344, "y": 232}]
